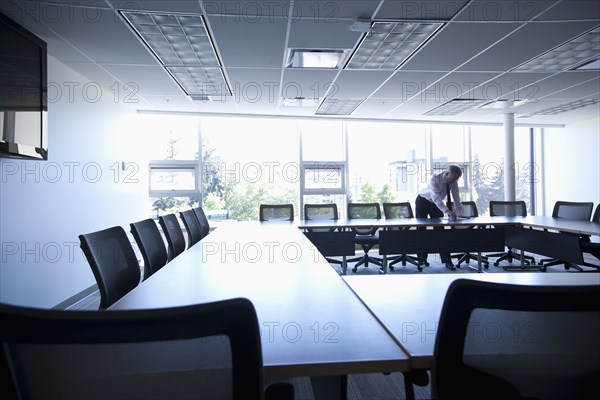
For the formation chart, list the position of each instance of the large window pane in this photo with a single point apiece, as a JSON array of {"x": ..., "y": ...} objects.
[
  {"x": 170, "y": 137},
  {"x": 385, "y": 161},
  {"x": 254, "y": 161},
  {"x": 322, "y": 141}
]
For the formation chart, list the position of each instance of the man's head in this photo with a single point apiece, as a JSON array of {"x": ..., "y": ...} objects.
[{"x": 453, "y": 173}]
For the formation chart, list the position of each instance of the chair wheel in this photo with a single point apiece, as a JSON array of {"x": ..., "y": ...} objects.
[
  {"x": 391, "y": 268},
  {"x": 543, "y": 269},
  {"x": 419, "y": 268},
  {"x": 354, "y": 269},
  {"x": 496, "y": 264},
  {"x": 458, "y": 265}
]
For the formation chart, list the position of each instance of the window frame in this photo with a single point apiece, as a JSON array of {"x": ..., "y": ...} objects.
[{"x": 183, "y": 165}]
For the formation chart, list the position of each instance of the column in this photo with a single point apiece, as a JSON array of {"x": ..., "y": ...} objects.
[{"x": 509, "y": 156}]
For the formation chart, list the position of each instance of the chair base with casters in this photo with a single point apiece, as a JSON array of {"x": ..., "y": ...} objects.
[
  {"x": 366, "y": 244},
  {"x": 551, "y": 262},
  {"x": 467, "y": 257},
  {"x": 405, "y": 258},
  {"x": 511, "y": 256}
]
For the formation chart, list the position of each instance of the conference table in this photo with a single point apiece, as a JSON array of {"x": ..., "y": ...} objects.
[
  {"x": 538, "y": 234},
  {"x": 314, "y": 323},
  {"x": 409, "y": 306},
  {"x": 311, "y": 322}
]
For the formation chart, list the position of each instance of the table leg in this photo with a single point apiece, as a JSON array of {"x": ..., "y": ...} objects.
[{"x": 330, "y": 387}]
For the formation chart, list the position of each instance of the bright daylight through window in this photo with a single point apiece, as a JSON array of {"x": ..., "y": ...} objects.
[{"x": 232, "y": 165}]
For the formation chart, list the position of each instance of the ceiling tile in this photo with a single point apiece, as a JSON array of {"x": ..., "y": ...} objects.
[
  {"x": 503, "y": 11},
  {"x": 525, "y": 44},
  {"x": 257, "y": 44},
  {"x": 357, "y": 84},
  {"x": 420, "y": 10},
  {"x": 447, "y": 50}
]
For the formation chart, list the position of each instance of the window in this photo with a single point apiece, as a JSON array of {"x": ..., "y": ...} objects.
[
  {"x": 386, "y": 161},
  {"x": 174, "y": 178},
  {"x": 247, "y": 162}
]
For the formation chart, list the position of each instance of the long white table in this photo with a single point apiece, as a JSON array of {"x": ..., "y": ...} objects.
[
  {"x": 538, "y": 234},
  {"x": 409, "y": 306},
  {"x": 540, "y": 222},
  {"x": 311, "y": 323}
]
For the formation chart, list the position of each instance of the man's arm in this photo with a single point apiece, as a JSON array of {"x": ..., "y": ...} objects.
[
  {"x": 456, "y": 198},
  {"x": 438, "y": 194}
]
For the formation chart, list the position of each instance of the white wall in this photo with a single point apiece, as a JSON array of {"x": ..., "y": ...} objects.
[
  {"x": 571, "y": 163},
  {"x": 44, "y": 206}
]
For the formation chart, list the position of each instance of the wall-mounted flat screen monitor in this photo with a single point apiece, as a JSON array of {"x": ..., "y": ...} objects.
[{"x": 23, "y": 92}]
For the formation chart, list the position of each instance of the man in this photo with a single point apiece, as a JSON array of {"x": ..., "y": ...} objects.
[{"x": 430, "y": 202}]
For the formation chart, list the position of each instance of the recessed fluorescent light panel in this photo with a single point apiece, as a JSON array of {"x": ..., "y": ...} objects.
[
  {"x": 338, "y": 106},
  {"x": 589, "y": 66},
  {"x": 183, "y": 46},
  {"x": 456, "y": 106},
  {"x": 574, "y": 105},
  {"x": 314, "y": 58},
  {"x": 300, "y": 102},
  {"x": 390, "y": 44},
  {"x": 578, "y": 51}
]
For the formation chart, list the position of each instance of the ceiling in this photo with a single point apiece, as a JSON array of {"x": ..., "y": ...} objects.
[{"x": 472, "y": 56}]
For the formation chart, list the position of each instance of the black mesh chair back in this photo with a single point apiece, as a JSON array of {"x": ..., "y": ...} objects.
[
  {"x": 469, "y": 208},
  {"x": 203, "y": 351},
  {"x": 398, "y": 210},
  {"x": 192, "y": 226},
  {"x": 576, "y": 211},
  {"x": 364, "y": 211},
  {"x": 203, "y": 221},
  {"x": 276, "y": 212},
  {"x": 151, "y": 244},
  {"x": 321, "y": 212},
  {"x": 508, "y": 208},
  {"x": 113, "y": 263},
  {"x": 173, "y": 233},
  {"x": 504, "y": 341}
]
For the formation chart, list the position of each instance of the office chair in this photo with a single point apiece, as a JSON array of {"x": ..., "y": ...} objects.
[
  {"x": 173, "y": 233},
  {"x": 334, "y": 244},
  {"x": 151, "y": 244},
  {"x": 207, "y": 351},
  {"x": 203, "y": 221},
  {"x": 587, "y": 246},
  {"x": 276, "y": 212},
  {"x": 113, "y": 263},
  {"x": 323, "y": 212},
  {"x": 192, "y": 226},
  {"x": 365, "y": 237},
  {"x": 469, "y": 209},
  {"x": 395, "y": 211},
  {"x": 505, "y": 341},
  {"x": 577, "y": 211},
  {"x": 509, "y": 209}
]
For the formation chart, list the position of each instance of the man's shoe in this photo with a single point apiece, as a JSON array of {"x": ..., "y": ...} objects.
[{"x": 450, "y": 266}]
